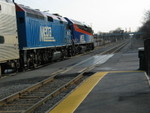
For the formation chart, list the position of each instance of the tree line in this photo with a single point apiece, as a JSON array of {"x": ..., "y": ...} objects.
[{"x": 145, "y": 28}]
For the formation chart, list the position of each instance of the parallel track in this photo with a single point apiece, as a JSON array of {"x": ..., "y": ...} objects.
[{"x": 29, "y": 99}]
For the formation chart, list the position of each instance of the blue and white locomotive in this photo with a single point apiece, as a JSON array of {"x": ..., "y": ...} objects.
[
  {"x": 42, "y": 36},
  {"x": 29, "y": 37}
]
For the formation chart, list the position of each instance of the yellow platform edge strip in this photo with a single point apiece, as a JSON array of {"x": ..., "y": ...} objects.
[
  {"x": 125, "y": 71},
  {"x": 75, "y": 98}
]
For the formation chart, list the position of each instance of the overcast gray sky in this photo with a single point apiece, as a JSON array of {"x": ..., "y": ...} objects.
[{"x": 102, "y": 15}]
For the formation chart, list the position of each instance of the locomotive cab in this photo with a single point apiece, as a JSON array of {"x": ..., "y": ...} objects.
[{"x": 82, "y": 36}]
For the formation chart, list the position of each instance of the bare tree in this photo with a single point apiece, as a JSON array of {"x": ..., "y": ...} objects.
[
  {"x": 145, "y": 28},
  {"x": 147, "y": 16}
]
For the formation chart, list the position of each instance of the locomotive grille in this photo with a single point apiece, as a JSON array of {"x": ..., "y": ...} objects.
[
  {"x": 8, "y": 52},
  {"x": 7, "y": 24}
]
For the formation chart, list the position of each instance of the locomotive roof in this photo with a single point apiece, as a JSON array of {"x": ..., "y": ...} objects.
[
  {"x": 56, "y": 17},
  {"x": 50, "y": 15},
  {"x": 39, "y": 13},
  {"x": 62, "y": 19},
  {"x": 29, "y": 10},
  {"x": 76, "y": 22}
]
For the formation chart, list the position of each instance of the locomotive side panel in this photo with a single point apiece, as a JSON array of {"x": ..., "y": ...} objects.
[
  {"x": 8, "y": 32},
  {"x": 40, "y": 30},
  {"x": 41, "y": 34}
]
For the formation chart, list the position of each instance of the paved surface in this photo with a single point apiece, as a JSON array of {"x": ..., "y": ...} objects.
[
  {"x": 124, "y": 92},
  {"x": 124, "y": 89}
]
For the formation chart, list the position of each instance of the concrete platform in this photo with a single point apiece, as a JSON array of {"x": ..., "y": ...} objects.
[
  {"x": 116, "y": 87},
  {"x": 109, "y": 92},
  {"x": 123, "y": 92}
]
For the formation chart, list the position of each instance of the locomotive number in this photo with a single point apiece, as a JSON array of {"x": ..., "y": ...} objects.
[{"x": 82, "y": 39}]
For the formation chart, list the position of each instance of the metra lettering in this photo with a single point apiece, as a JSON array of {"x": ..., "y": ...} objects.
[{"x": 46, "y": 34}]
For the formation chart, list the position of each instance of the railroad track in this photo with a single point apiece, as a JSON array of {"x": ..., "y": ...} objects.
[{"x": 31, "y": 98}]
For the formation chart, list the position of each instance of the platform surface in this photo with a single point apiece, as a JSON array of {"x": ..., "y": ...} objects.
[
  {"x": 116, "y": 87},
  {"x": 123, "y": 92}
]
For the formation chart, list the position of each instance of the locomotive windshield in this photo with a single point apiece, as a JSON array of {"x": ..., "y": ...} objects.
[{"x": 85, "y": 28}]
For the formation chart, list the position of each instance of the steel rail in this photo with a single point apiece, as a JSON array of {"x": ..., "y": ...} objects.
[
  {"x": 51, "y": 95},
  {"x": 55, "y": 93},
  {"x": 29, "y": 89}
]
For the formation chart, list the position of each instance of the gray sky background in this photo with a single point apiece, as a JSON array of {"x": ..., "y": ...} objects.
[{"x": 102, "y": 15}]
